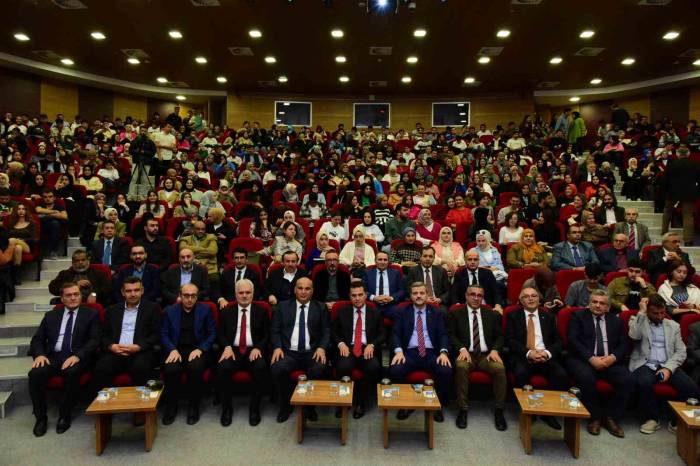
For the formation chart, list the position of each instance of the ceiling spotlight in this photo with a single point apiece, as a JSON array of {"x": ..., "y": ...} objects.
[
  {"x": 21, "y": 37},
  {"x": 484, "y": 60},
  {"x": 221, "y": 79},
  {"x": 343, "y": 79},
  {"x": 503, "y": 33},
  {"x": 412, "y": 60},
  {"x": 67, "y": 61},
  {"x": 411, "y": 5},
  {"x": 628, "y": 61},
  {"x": 382, "y": 3},
  {"x": 255, "y": 33},
  {"x": 133, "y": 61},
  {"x": 574, "y": 99},
  {"x": 97, "y": 35},
  {"x": 337, "y": 33},
  {"x": 697, "y": 62},
  {"x": 555, "y": 60},
  {"x": 340, "y": 59},
  {"x": 420, "y": 33},
  {"x": 406, "y": 79},
  {"x": 671, "y": 35},
  {"x": 587, "y": 34},
  {"x": 180, "y": 97},
  {"x": 200, "y": 60},
  {"x": 175, "y": 34},
  {"x": 596, "y": 81},
  {"x": 469, "y": 80},
  {"x": 282, "y": 79},
  {"x": 162, "y": 79},
  {"x": 270, "y": 59}
]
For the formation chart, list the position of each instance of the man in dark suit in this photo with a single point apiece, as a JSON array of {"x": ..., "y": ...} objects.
[
  {"x": 358, "y": 333},
  {"x": 616, "y": 257},
  {"x": 279, "y": 284},
  {"x": 94, "y": 284},
  {"x": 637, "y": 233},
  {"x": 157, "y": 246},
  {"x": 472, "y": 274},
  {"x": 231, "y": 276},
  {"x": 476, "y": 336},
  {"x": 149, "y": 274},
  {"x": 186, "y": 272},
  {"x": 657, "y": 262},
  {"x": 420, "y": 342},
  {"x": 109, "y": 250},
  {"x": 598, "y": 347},
  {"x": 331, "y": 283},
  {"x": 680, "y": 181},
  {"x": 384, "y": 286},
  {"x": 244, "y": 334},
  {"x": 187, "y": 333},
  {"x": 64, "y": 344},
  {"x": 300, "y": 336},
  {"x": 610, "y": 213},
  {"x": 130, "y": 334},
  {"x": 573, "y": 254},
  {"x": 535, "y": 346},
  {"x": 434, "y": 277}
]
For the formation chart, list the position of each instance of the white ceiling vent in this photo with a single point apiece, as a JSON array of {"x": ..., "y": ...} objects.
[
  {"x": 490, "y": 51},
  {"x": 241, "y": 51},
  {"x": 654, "y": 2},
  {"x": 205, "y": 2},
  {"x": 525, "y": 2},
  {"x": 70, "y": 4},
  {"x": 378, "y": 83},
  {"x": 271, "y": 83},
  {"x": 590, "y": 51},
  {"x": 135, "y": 53},
  {"x": 548, "y": 84},
  {"x": 381, "y": 51}
]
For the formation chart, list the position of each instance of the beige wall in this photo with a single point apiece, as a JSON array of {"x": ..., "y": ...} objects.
[
  {"x": 405, "y": 113},
  {"x": 130, "y": 106},
  {"x": 636, "y": 104},
  {"x": 58, "y": 97}
]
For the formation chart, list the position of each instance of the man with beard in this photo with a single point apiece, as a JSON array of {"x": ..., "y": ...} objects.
[
  {"x": 94, "y": 284},
  {"x": 186, "y": 272},
  {"x": 140, "y": 268}
]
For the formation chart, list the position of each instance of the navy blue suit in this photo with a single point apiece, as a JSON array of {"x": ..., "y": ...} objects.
[
  {"x": 395, "y": 286},
  {"x": 150, "y": 281},
  {"x": 434, "y": 322},
  {"x": 608, "y": 258}
]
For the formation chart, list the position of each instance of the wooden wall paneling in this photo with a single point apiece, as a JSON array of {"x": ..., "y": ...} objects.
[
  {"x": 133, "y": 106},
  {"x": 94, "y": 103},
  {"x": 59, "y": 97},
  {"x": 672, "y": 103},
  {"x": 694, "y": 105},
  {"x": 19, "y": 92},
  {"x": 636, "y": 104}
]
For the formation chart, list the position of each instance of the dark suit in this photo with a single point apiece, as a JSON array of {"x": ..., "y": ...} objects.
[
  {"x": 170, "y": 281},
  {"x": 229, "y": 232},
  {"x": 85, "y": 339},
  {"x": 204, "y": 330},
  {"x": 460, "y": 332},
  {"x": 99, "y": 281},
  {"x": 656, "y": 265},
  {"x": 516, "y": 340},
  {"x": 342, "y": 280},
  {"x": 393, "y": 287},
  {"x": 150, "y": 280},
  {"x": 608, "y": 258},
  {"x": 228, "y": 283},
  {"x": 120, "y": 252},
  {"x": 563, "y": 258},
  {"x": 492, "y": 295},
  {"x": 146, "y": 334},
  {"x": 258, "y": 322},
  {"x": 601, "y": 219},
  {"x": 582, "y": 341},
  {"x": 343, "y": 331},
  {"x": 434, "y": 323},
  {"x": 642, "y": 233},
  {"x": 284, "y": 319},
  {"x": 681, "y": 185},
  {"x": 441, "y": 284},
  {"x": 276, "y": 285}
]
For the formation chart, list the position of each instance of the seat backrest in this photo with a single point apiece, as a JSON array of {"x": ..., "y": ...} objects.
[
  {"x": 647, "y": 249},
  {"x": 319, "y": 267},
  {"x": 214, "y": 311},
  {"x": 686, "y": 321},
  {"x": 104, "y": 269},
  {"x": 564, "y": 279},
  {"x": 516, "y": 278},
  {"x": 563, "y": 318}
]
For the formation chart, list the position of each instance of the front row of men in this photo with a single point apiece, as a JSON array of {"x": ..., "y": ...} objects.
[{"x": 301, "y": 335}]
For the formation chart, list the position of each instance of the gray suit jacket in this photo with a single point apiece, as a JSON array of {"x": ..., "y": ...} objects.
[
  {"x": 643, "y": 238},
  {"x": 640, "y": 332},
  {"x": 563, "y": 259}
]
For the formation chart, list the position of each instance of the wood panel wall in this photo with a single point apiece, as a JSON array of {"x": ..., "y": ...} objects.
[
  {"x": 133, "y": 106},
  {"x": 19, "y": 92},
  {"x": 95, "y": 103},
  {"x": 694, "y": 106},
  {"x": 59, "y": 97}
]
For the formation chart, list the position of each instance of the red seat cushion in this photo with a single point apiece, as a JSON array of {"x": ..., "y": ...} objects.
[
  {"x": 241, "y": 377},
  {"x": 665, "y": 390},
  {"x": 122, "y": 380},
  {"x": 388, "y": 322},
  {"x": 418, "y": 377},
  {"x": 539, "y": 381},
  {"x": 56, "y": 382},
  {"x": 604, "y": 387},
  {"x": 480, "y": 377},
  {"x": 294, "y": 376},
  {"x": 357, "y": 374}
]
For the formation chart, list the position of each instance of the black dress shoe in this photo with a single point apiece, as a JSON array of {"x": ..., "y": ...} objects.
[
  {"x": 438, "y": 416},
  {"x": 226, "y": 416},
  {"x": 283, "y": 414},
  {"x": 403, "y": 414},
  {"x": 254, "y": 415},
  {"x": 358, "y": 412},
  {"x": 500, "y": 420},
  {"x": 192, "y": 414},
  {"x": 462, "y": 418},
  {"x": 170, "y": 414},
  {"x": 551, "y": 421},
  {"x": 62, "y": 425},
  {"x": 40, "y": 427},
  {"x": 311, "y": 414}
]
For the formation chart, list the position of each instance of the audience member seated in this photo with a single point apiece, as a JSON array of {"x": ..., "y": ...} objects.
[
  {"x": 157, "y": 247},
  {"x": 279, "y": 284},
  {"x": 52, "y": 216},
  {"x": 573, "y": 254},
  {"x": 627, "y": 292},
  {"x": 545, "y": 283},
  {"x": 110, "y": 250},
  {"x": 637, "y": 233},
  {"x": 435, "y": 278},
  {"x": 407, "y": 253},
  {"x": 332, "y": 282},
  {"x": 222, "y": 231},
  {"x": 395, "y": 228},
  {"x": 370, "y": 227},
  {"x": 511, "y": 231},
  {"x": 659, "y": 258},
  {"x": 21, "y": 229},
  {"x": 185, "y": 272},
  {"x": 205, "y": 248},
  {"x": 318, "y": 252},
  {"x": 335, "y": 228},
  {"x": 610, "y": 213},
  {"x": 489, "y": 257},
  {"x": 286, "y": 243},
  {"x": 527, "y": 253},
  {"x": 151, "y": 206},
  {"x": 678, "y": 291},
  {"x": 92, "y": 182},
  {"x": 448, "y": 252},
  {"x": 579, "y": 292},
  {"x": 472, "y": 274},
  {"x": 290, "y": 216},
  {"x": 112, "y": 215},
  {"x": 94, "y": 285},
  {"x": 231, "y": 276},
  {"x": 357, "y": 254},
  {"x": 139, "y": 267},
  {"x": 384, "y": 286},
  {"x": 618, "y": 256},
  {"x": 593, "y": 232},
  {"x": 427, "y": 230}
]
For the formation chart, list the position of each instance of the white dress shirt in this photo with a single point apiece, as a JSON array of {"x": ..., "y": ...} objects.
[
  {"x": 289, "y": 276},
  {"x": 610, "y": 216},
  {"x": 248, "y": 335},
  {"x": 242, "y": 271},
  {"x": 62, "y": 331},
  {"x": 482, "y": 341},
  {"x": 294, "y": 343},
  {"x": 128, "y": 325},
  {"x": 539, "y": 341},
  {"x": 386, "y": 290}
]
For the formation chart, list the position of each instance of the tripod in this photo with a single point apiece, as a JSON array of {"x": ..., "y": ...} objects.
[{"x": 138, "y": 174}]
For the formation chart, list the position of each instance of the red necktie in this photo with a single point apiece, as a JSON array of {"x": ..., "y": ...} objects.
[
  {"x": 242, "y": 343},
  {"x": 421, "y": 337},
  {"x": 633, "y": 239},
  {"x": 357, "y": 344}
]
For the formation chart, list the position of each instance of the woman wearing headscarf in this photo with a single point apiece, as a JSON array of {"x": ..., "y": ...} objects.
[
  {"x": 370, "y": 228},
  {"x": 489, "y": 257},
  {"x": 286, "y": 242},
  {"x": 289, "y": 193},
  {"x": 209, "y": 199},
  {"x": 427, "y": 229},
  {"x": 527, "y": 253},
  {"x": 357, "y": 254},
  {"x": 448, "y": 253},
  {"x": 290, "y": 216},
  {"x": 169, "y": 194},
  {"x": 409, "y": 251},
  {"x": 113, "y": 216},
  {"x": 483, "y": 220},
  {"x": 226, "y": 194},
  {"x": 319, "y": 251}
]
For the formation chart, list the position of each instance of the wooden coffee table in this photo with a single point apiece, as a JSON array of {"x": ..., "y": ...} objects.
[
  {"x": 551, "y": 406},
  {"x": 321, "y": 396},
  {"x": 126, "y": 401},
  {"x": 687, "y": 433},
  {"x": 407, "y": 398}
]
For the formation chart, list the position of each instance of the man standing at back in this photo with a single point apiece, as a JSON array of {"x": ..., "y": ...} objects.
[{"x": 681, "y": 184}]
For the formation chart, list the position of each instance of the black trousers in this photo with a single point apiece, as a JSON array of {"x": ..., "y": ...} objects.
[
  {"x": 555, "y": 373},
  {"x": 194, "y": 388},
  {"x": 139, "y": 366},
  {"x": 371, "y": 368},
  {"x": 38, "y": 384},
  {"x": 618, "y": 375},
  {"x": 227, "y": 367},
  {"x": 294, "y": 360}
]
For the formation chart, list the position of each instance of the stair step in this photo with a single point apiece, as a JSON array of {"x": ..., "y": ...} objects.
[
  {"x": 14, "y": 346},
  {"x": 61, "y": 263},
  {"x": 33, "y": 288},
  {"x": 19, "y": 324},
  {"x": 4, "y": 403},
  {"x": 72, "y": 249},
  {"x": 74, "y": 241},
  {"x": 15, "y": 368},
  {"x": 29, "y": 304}
]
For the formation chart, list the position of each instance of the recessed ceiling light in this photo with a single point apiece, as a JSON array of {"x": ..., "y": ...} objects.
[
  {"x": 587, "y": 34},
  {"x": 133, "y": 61},
  {"x": 200, "y": 60},
  {"x": 21, "y": 37},
  {"x": 595, "y": 81},
  {"x": 628, "y": 61},
  {"x": 340, "y": 59},
  {"x": 282, "y": 79},
  {"x": 671, "y": 35},
  {"x": 286, "y": 104},
  {"x": 503, "y": 33},
  {"x": 175, "y": 34},
  {"x": 412, "y": 60},
  {"x": 67, "y": 61},
  {"x": 469, "y": 80},
  {"x": 255, "y": 33},
  {"x": 343, "y": 79},
  {"x": 221, "y": 79},
  {"x": 420, "y": 33},
  {"x": 270, "y": 59},
  {"x": 555, "y": 60},
  {"x": 162, "y": 79},
  {"x": 406, "y": 79},
  {"x": 337, "y": 33},
  {"x": 574, "y": 99},
  {"x": 180, "y": 97},
  {"x": 97, "y": 35},
  {"x": 484, "y": 60},
  {"x": 697, "y": 62}
]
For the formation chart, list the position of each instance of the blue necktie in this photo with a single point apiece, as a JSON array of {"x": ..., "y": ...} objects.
[
  {"x": 67, "y": 336},
  {"x": 577, "y": 257},
  {"x": 302, "y": 329},
  {"x": 107, "y": 254}
]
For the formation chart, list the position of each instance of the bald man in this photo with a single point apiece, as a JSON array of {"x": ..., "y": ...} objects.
[
  {"x": 186, "y": 272},
  {"x": 472, "y": 274},
  {"x": 205, "y": 247},
  {"x": 616, "y": 258}
]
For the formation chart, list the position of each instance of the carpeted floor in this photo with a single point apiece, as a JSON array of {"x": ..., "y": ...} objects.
[{"x": 207, "y": 443}]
